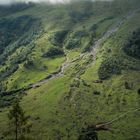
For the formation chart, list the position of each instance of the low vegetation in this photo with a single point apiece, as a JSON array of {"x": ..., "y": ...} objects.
[
  {"x": 132, "y": 47},
  {"x": 109, "y": 67},
  {"x": 53, "y": 52},
  {"x": 58, "y": 38}
]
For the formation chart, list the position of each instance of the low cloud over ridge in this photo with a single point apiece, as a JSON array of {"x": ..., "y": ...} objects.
[{"x": 36, "y": 1}]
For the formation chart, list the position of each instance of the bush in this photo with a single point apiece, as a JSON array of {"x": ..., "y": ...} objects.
[
  {"x": 132, "y": 47},
  {"x": 52, "y": 52},
  {"x": 109, "y": 67},
  {"x": 88, "y": 133},
  {"x": 80, "y": 34},
  {"x": 96, "y": 92},
  {"x": 9, "y": 70},
  {"x": 73, "y": 43},
  {"x": 28, "y": 64},
  {"x": 128, "y": 85},
  {"x": 58, "y": 38},
  {"x": 138, "y": 91}
]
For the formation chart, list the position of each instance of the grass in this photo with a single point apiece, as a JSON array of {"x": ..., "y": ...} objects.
[{"x": 27, "y": 76}]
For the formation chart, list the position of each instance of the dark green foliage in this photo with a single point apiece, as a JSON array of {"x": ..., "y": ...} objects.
[
  {"x": 128, "y": 85},
  {"x": 109, "y": 67},
  {"x": 29, "y": 63},
  {"x": 138, "y": 91},
  {"x": 59, "y": 37},
  {"x": 6, "y": 100},
  {"x": 89, "y": 45},
  {"x": 96, "y": 92},
  {"x": 52, "y": 52},
  {"x": 87, "y": 48},
  {"x": 11, "y": 29},
  {"x": 7, "y": 97},
  {"x": 18, "y": 122},
  {"x": 22, "y": 56},
  {"x": 132, "y": 47},
  {"x": 8, "y": 71},
  {"x": 2, "y": 87},
  {"x": 88, "y": 133},
  {"x": 16, "y": 32},
  {"x": 75, "y": 40},
  {"x": 80, "y": 34},
  {"x": 73, "y": 43}
]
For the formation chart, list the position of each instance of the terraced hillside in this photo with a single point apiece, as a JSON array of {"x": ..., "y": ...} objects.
[{"x": 72, "y": 65}]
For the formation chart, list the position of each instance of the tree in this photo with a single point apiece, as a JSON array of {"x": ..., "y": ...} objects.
[{"x": 18, "y": 122}]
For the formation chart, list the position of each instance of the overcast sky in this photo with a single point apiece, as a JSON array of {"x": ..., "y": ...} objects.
[{"x": 12, "y": 1}]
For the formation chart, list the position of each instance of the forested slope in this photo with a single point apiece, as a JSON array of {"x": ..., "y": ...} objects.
[{"x": 72, "y": 65}]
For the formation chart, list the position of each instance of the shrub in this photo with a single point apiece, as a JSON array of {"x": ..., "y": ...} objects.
[
  {"x": 88, "y": 133},
  {"x": 58, "y": 37},
  {"x": 132, "y": 46},
  {"x": 73, "y": 43},
  {"x": 96, "y": 92},
  {"x": 138, "y": 91},
  {"x": 128, "y": 85},
  {"x": 80, "y": 34},
  {"x": 52, "y": 52},
  {"x": 109, "y": 67},
  {"x": 9, "y": 70},
  {"x": 29, "y": 64}
]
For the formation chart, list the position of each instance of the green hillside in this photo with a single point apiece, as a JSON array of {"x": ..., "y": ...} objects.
[{"x": 72, "y": 65}]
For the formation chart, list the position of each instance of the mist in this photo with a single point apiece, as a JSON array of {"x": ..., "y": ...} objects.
[{"x": 5, "y": 2}]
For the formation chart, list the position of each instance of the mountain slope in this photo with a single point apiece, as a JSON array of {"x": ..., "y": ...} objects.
[{"x": 79, "y": 85}]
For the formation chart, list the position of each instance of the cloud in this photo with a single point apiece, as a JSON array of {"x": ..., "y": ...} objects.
[{"x": 36, "y": 1}]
